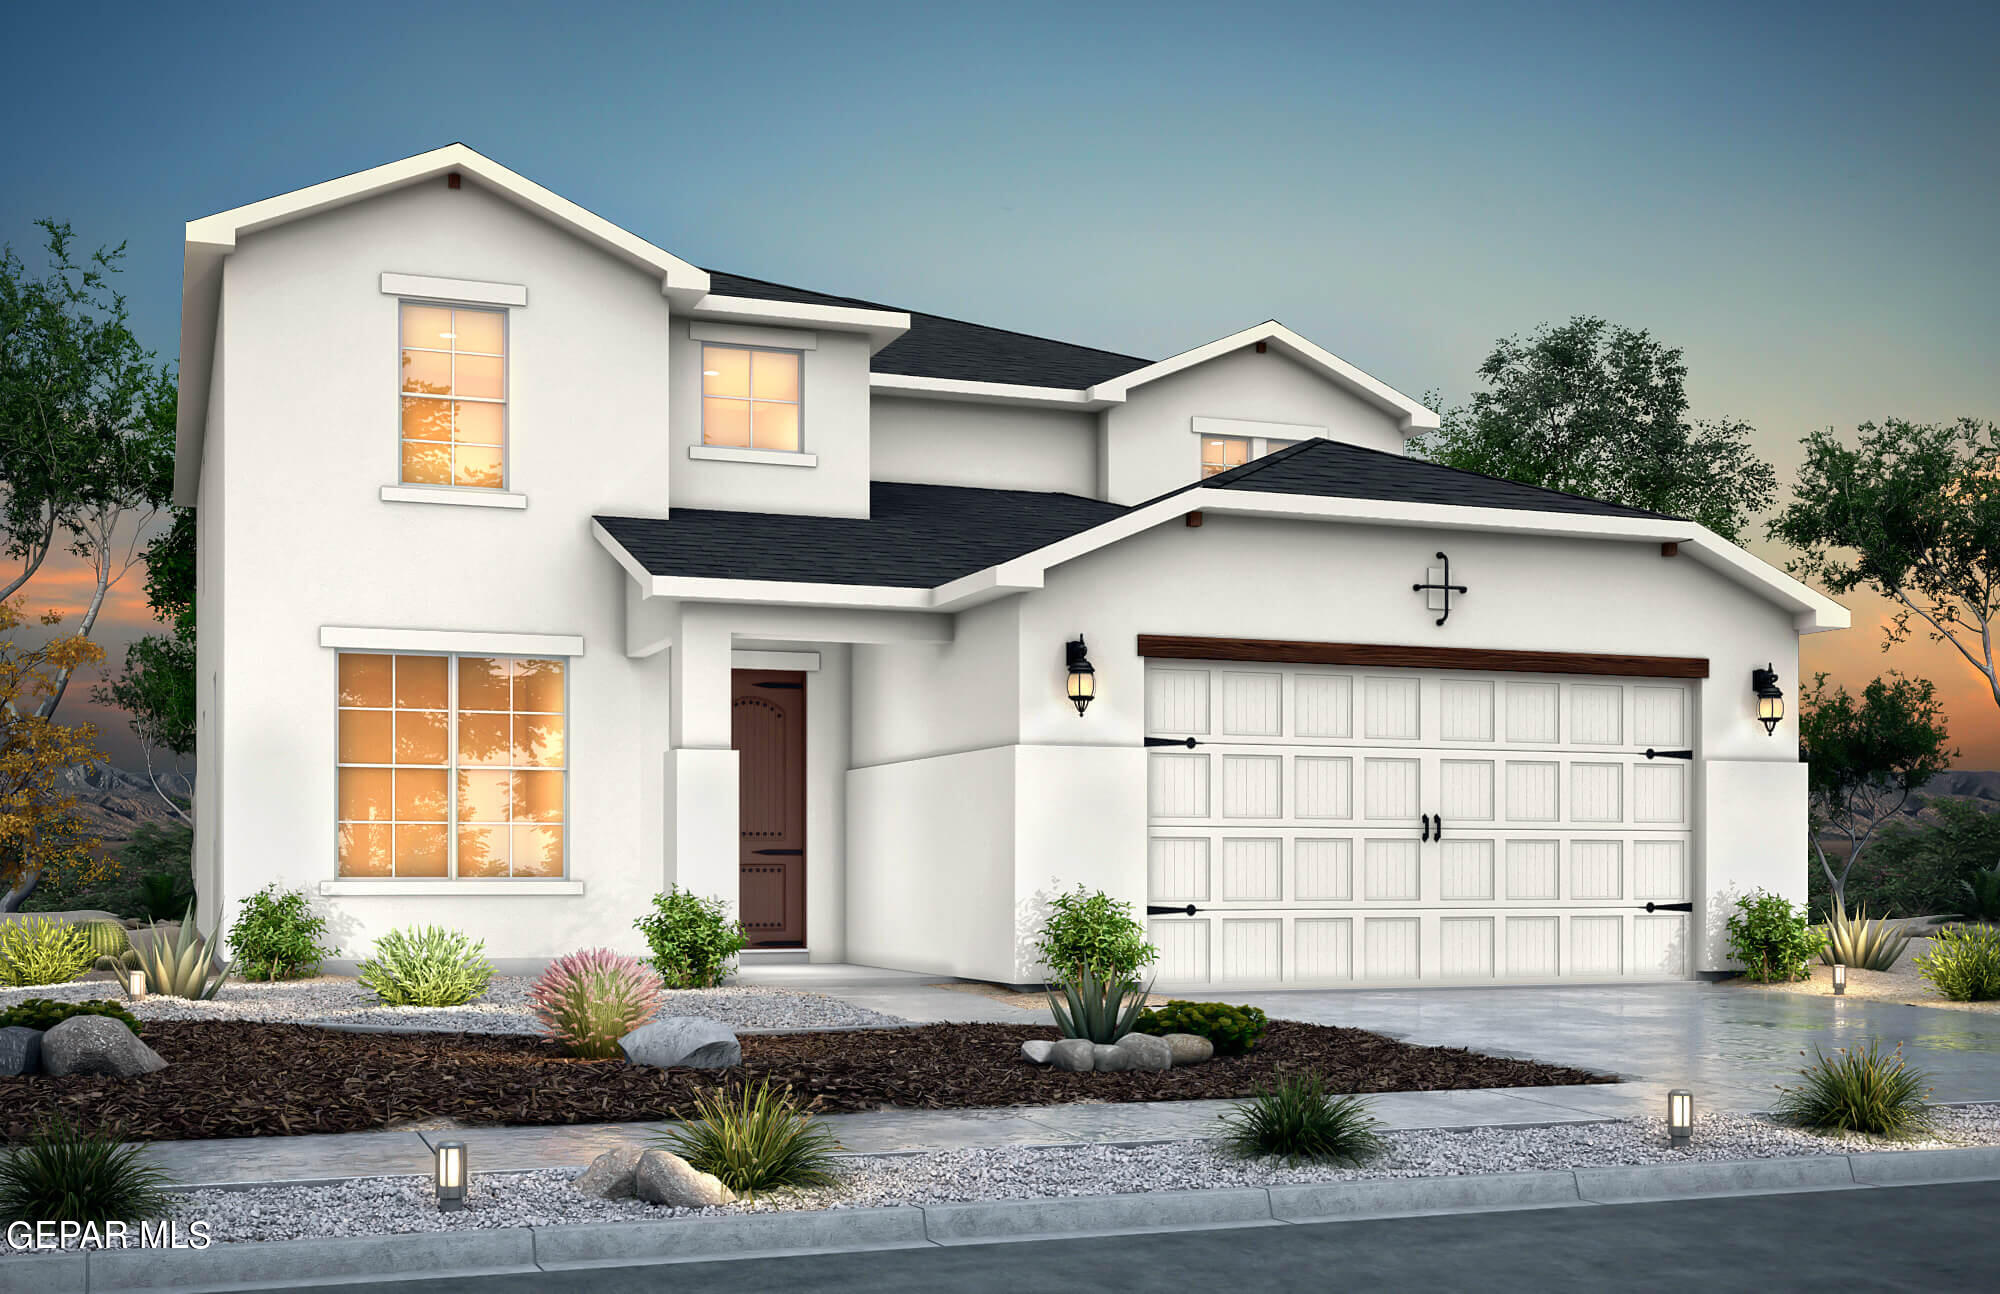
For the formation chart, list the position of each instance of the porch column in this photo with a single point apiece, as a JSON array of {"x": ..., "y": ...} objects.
[{"x": 701, "y": 797}]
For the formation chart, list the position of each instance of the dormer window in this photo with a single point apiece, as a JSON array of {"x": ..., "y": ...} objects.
[{"x": 750, "y": 398}]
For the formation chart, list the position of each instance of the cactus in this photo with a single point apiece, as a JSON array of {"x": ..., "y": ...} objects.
[{"x": 107, "y": 939}]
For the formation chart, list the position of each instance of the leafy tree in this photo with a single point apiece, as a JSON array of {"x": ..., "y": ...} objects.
[
  {"x": 1911, "y": 512},
  {"x": 40, "y": 830},
  {"x": 1866, "y": 756},
  {"x": 1592, "y": 408},
  {"x": 157, "y": 685}
]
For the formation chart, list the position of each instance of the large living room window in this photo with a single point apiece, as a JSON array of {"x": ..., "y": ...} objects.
[
  {"x": 750, "y": 398},
  {"x": 451, "y": 766},
  {"x": 454, "y": 393}
]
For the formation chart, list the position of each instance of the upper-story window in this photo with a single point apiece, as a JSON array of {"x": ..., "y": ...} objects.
[
  {"x": 454, "y": 392},
  {"x": 1220, "y": 453},
  {"x": 750, "y": 398}
]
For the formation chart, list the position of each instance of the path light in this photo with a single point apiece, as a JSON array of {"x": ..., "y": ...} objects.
[
  {"x": 451, "y": 1176},
  {"x": 1082, "y": 677},
  {"x": 1839, "y": 978},
  {"x": 135, "y": 983},
  {"x": 1680, "y": 1116},
  {"x": 1770, "y": 700}
]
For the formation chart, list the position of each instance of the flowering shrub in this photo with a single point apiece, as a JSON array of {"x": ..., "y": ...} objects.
[{"x": 587, "y": 1001}]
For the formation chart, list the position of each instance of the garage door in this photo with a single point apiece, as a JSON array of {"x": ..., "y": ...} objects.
[{"x": 1313, "y": 825}]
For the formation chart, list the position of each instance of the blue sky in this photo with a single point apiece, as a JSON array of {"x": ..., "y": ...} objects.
[{"x": 1801, "y": 196}]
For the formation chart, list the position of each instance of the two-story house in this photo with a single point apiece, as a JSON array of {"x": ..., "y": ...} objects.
[{"x": 541, "y": 569}]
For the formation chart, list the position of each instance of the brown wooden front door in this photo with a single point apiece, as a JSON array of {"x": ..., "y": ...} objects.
[{"x": 768, "y": 730}]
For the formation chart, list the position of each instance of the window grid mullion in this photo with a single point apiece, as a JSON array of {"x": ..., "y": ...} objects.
[{"x": 451, "y": 765}]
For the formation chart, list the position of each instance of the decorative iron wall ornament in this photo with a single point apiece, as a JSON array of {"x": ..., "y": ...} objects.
[{"x": 1437, "y": 593}]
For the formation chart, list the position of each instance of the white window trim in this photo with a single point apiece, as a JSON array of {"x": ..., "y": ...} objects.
[
  {"x": 749, "y": 658},
  {"x": 735, "y": 454},
  {"x": 460, "y": 496},
  {"x": 1252, "y": 429},
  {"x": 469, "y": 291},
  {"x": 355, "y": 886},
  {"x": 466, "y": 642},
  {"x": 723, "y": 334}
]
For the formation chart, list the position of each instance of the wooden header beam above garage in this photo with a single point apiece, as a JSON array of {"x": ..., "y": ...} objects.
[{"x": 1283, "y": 652}]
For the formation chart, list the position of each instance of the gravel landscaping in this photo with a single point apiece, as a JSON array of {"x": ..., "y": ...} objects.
[
  {"x": 380, "y": 1205},
  {"x": 334, "y": 999},
  {"x": 1900, "y": 983},
  {"x": 241, "y": 1079}
]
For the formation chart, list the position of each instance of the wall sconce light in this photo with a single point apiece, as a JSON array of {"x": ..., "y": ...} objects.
[
  {"x": 450, "y": 1176},
  {"x": 1770, "y": 700},
  {"x": 1680, "y": 1116},
  {"x": 135, "y": 983},
  {"x": 1082, "y": 687},
  {"x": 1840, "y": 979}
]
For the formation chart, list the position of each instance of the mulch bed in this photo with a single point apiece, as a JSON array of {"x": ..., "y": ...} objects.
[{"x": 233, "y": 1079}]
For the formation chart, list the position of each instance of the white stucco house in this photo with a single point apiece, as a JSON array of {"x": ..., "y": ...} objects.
[{"x": 541, "y": 569}]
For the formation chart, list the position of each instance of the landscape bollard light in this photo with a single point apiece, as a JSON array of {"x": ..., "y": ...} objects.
[
  {"x": 1680, "y": 1116},
  {"x": 451, "y": 1176},
  {"x": 1839, "y": 979},
  {"x": 135, "y": 983}
]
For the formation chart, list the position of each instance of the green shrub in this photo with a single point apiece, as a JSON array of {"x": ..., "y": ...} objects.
[
  {"x": 66, "y": 1174},
  {"x": 1963, "y": 964},
  {"x": 692, "y": 938},
  {"x": 1096, "y": 932},
  {"x": 44, "y": 1014},
  {"x": 277, "y": 935},
  {"x": 1863, "y": 944},
  {"x": 1982, "y": 894},
  {"x": 42, "y": 951},
  {"x": 426, "y": 966},
  {"x": 1100, "y": 1010},
  {"x": 1300, "y": 1121},
  {"x": 162, "y": 897},
  {"x": 1233, "y": 1030},
  {"x": 1771, "y": 939},
  {"x": 756, "y": 1140},
  {"x": 1915, "y": 869},
  {"x": 1858, "y": 1091}
]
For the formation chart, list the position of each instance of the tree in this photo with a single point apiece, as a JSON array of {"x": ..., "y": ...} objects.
[
  {"x": 40, "y": 830},
  {"x": 1865, "y": 757},
  {"x": 1596, "y": 409},
  {"x": 157, "y": 685},
  {"x": 1913, "y": 513}
]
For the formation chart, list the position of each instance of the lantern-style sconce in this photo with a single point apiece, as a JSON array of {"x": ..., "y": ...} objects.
[
  {"x": 1770, "y": 700},
  {"x": 1082, "y": 687},
  {"x": 450, "y": 1176},
  {"x": 1680, "y": 1116},
  {"x": 135, "y": 984},
  {"x": 1840, "y": 979}
]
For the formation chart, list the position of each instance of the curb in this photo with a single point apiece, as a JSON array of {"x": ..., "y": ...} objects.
[{"x": 500, "y": 1250}]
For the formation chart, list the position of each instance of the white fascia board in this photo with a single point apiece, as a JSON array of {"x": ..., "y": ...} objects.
[
  {"x": 791, "y": 593},
  {"x": 1413, "y": 417},
  {"x": 881, "y": 326},
  {"x": 633, "y": 567},
  {"x": 943, "y": 388},
  {"x": 201, "y": 306}
]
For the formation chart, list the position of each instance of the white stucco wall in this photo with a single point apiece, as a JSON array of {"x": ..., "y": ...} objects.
[
  {"x": 995, "y": 446},
  {"x": 913, "y": 700},
  {"x": 1747, "y": 847}
]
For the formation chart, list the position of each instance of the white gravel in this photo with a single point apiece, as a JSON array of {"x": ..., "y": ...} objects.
[
  {"x": 380, "y": 1205},
  {"x": 333, "y": 999}
]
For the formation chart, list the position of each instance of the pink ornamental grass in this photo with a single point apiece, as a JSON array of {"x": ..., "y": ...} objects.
[{"x": 588, "y": 1000}]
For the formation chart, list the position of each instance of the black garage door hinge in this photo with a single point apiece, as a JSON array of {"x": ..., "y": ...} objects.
[
  {"x": 1157, "y": 910},
  {"x": 1668, "y": 754},
  {"x": 1189, "y": 742},
  {"x": 1670, "y": 907}
]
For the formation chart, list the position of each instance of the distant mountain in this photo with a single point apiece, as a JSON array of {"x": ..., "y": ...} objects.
[{"x": 115, "y": 802}]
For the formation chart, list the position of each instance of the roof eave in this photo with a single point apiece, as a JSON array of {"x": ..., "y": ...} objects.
[{"x": 880, "y": 326}]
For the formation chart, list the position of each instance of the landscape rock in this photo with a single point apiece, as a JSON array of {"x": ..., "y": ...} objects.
[
  {"x": 1072, "y": 1054},
  {"x": 96, "y": 1044},
  {"x": 613, "y": 1175},
  {"x": 682, "y": 1041},
  {"x": 1188, "y": 1048},
  {"x": 1144, "y": 1051},
  {"x": 1037, "y": 1050},
  {"x": 20, "y": 1051},
  {"x": 1106, "y": 1058},
  {"x": 666, "y": 1178}
]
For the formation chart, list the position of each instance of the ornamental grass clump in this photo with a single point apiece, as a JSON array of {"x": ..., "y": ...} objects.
[
  {"x": 1963, "y": 964},
  {"x": 42, "y": 951},
  {"x": 1858, "y": 1091},
  {"x": 588, "y": 1000},
  {"x": 426, "y": 966},
  {"x": 1298, "y": 1120},
  {"x": 67, "y": 1174},
  {"x": 754, "y": 1140},
  {"x": 1860, "y": 943}
]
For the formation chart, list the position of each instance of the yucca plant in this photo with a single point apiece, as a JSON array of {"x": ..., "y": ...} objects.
[
  {"x": 1963, "y": 964},
  {"x": 587, "y": 1001},
  {"x": 67, "y": 1174},
  {"x": 754, "y": 1140},
  {"x": 1858, "y": 1091},
  {"x": 1100, "y": 1010},
  {"x": 42, "y": 951},
  {"x": 1860, "y": 943},
  {"x": 1982, "y": 894},
  {"x": 426, "y": 966},
  {"x": 1299, "y": 1120},
  {"x": 183, "y": 967}
]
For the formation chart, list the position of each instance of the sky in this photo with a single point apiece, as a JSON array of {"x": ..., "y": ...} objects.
[{"x": 1801, "y": 196}]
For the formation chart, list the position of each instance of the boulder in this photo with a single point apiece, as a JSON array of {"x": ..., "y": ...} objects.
[
  {"x": 20, "y": 1051},
  {"x": 1188, "y": 1048},
  {"x": 1073, "y": 1054},
  {"x": 1144, "y": 1051},
  {"x": 665, "y": 1178},
  {"x": 1037, "y": 1050},
  {"x": 613, "y": 1175},
  {"x": 1106, "y": 1058},
  {"x": 682, "y": 1040},
  {"x": 96, "y": 1044}
]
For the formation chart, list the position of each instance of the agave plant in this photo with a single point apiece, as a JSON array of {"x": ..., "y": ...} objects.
[
  {"x": 1100, "y": 1010},
  {"x": 182, "y": 968},
  {"x": 1861, "y": 943}
]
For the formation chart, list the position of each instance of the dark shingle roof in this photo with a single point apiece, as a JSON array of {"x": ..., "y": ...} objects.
[{"x": 937, "y": 346}]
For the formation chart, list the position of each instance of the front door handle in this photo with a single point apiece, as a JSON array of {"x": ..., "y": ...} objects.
[{"x": 1427, "y": 826}]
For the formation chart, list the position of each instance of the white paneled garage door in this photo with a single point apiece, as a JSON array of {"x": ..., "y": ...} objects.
[{"x": 1336, "y": 826}]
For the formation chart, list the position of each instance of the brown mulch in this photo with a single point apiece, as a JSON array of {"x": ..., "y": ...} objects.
[{"x": 233, "y": 1079}]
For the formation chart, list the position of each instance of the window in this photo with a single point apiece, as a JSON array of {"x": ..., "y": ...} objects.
[
  {"x": 750, "y": 397},
  {"x": 1220, "y": 453},
  {"x": 451, "y": 766},
  {"x": 454, "y": 392}
]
